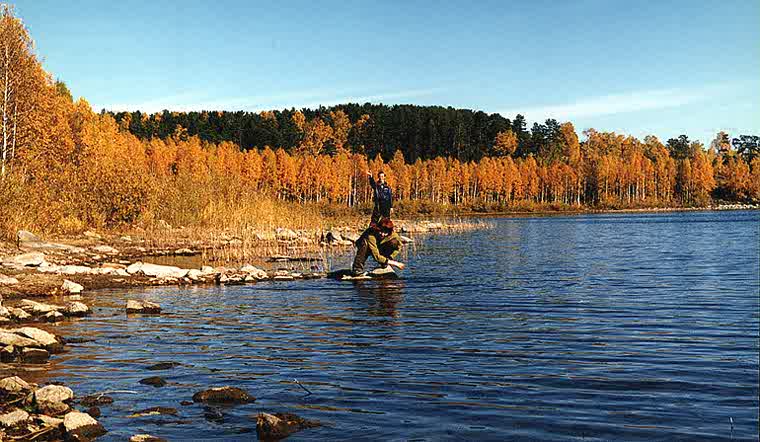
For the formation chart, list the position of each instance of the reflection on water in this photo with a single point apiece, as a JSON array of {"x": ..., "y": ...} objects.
[{"x": 607, "y": 327}]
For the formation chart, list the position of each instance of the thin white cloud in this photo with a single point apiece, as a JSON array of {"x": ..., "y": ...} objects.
[
  {"x": 300, "y": 99},
  {"x": 621, "y": 103}
]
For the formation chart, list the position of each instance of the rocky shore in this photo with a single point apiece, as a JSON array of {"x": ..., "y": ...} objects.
[{"x": 41, "y": 284}]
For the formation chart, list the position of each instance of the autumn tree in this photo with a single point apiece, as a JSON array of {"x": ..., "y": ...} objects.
[{"x": 505, "y": 143}]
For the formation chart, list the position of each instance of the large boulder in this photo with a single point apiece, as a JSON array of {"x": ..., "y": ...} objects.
[
  {"x": 226, "y": 395},
  {"x": 81, "y": 426},
  {"x": 53, "y": 393},
  {"x": 74, "y": 270},
  {"x": 281, "y": 425}
]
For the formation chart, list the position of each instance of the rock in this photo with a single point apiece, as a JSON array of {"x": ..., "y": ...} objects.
[
  {"x": 53, "y": 317},
  {"x": 13, "y": 418},
  {"x": 164, "y": 365},
  {"x": 48, "y": 421},
  {"x": 14, "y": 385},
  {"x": 53, "y": 393},
  {"x": 7, "y": 280},
  {"x": 26, "y": 236},
  {"x": 281, "y": 425},
  {"x": 333, "y": 236},
  {"x": 146, "y": 438},
  {"x": 31, "y": 259},
  {"x": 185, "y": 252},
  {"x": 18, "y": 314},
  {"x": 108, "y": 250},
  {"x": 93, "y": 411},
  {"x": 154, "y": 411},
  {"x": 143, "y": 307},
  {"x": 186, "y": 403},
  {"x": 8, "y": 353},
  {"x": 113, "y": 265},
  {"x": 157, "y": 271},
  {"x": 194, "y": 274},
  {"x": 71, "y": 287},
  {"x": 7, "y": 338},
  {"x": 255, "y": 272},
  {"x": 283, "y": 278},
  {"x": 48, "y": 340},
  {"x": 74, "y": 298},
  {"x": 53, "y": 408},
  {"x": 4, "y": 311},
  {"x": 76, "y": 309},
  {"x": 34, "y": 355},
  {"x": 74, "y": 270},
  {"x": 82, "y": 426},
  {"x": 96, "y": 400},
  {"x": 208, "y": 270},
  {"x": 383, "y": 272},
  {"x": 38, "y": 307},
  {"x": 134, "y": 268},
  {"x": 406, "y": 239},
  {"x": 154, "y": 381},
  {"x": 93, "y": 235},
  {"x": 286, "y": 234},
  {"x": 232, "y": 395}
]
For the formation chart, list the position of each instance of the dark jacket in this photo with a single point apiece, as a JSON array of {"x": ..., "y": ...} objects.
[
  {"x": 381, "y": 249},
  {"x": 383, "y": 199}
]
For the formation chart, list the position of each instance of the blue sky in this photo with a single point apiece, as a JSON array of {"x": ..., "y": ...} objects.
[{"x": 641, "y": 67}]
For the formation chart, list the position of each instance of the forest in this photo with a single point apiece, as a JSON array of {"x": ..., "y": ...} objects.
[{"x": 65, "y": 168}]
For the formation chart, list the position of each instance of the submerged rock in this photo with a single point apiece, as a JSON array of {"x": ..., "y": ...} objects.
[
  {"x": 143, "y": 307},
  {"x": 227, "y": 394},
  {"x": 281, "y": 425},
  {"x": 164, "y": 365},
  {"x": 155, "y": 411},
  {"x": 146, "y": 438},
  {"x": 81, "y": 426},
  {"x": 53, "y": 317},
  {"x": 154, "y": 381},
  {"x": 96, "y": 400}
]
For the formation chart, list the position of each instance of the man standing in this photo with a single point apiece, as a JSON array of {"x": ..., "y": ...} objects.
[
  {"x": 383, "y": 197},
  {"x": 380, "y": 241}
]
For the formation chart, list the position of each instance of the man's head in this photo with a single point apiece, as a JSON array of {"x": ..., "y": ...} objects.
[
  {"x": 381, "y": 177},
  {"x": 385, "y": 226}
]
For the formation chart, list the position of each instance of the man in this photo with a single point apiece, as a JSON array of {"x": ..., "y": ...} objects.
[
  {"x": 383, "y": 197},
  {"x": 380, "y": 241}
]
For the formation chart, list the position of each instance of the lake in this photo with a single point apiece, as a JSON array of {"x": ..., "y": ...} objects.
[{"x": 593, "y": 327}]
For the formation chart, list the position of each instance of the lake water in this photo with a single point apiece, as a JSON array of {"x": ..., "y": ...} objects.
[{"x": 593, "y": 327}]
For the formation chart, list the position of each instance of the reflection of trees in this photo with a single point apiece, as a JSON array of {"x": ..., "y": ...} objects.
[{"x": 381, "y": 296}]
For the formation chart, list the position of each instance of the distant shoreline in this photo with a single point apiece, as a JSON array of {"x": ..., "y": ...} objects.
[{"x": 727, "y": 207}]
